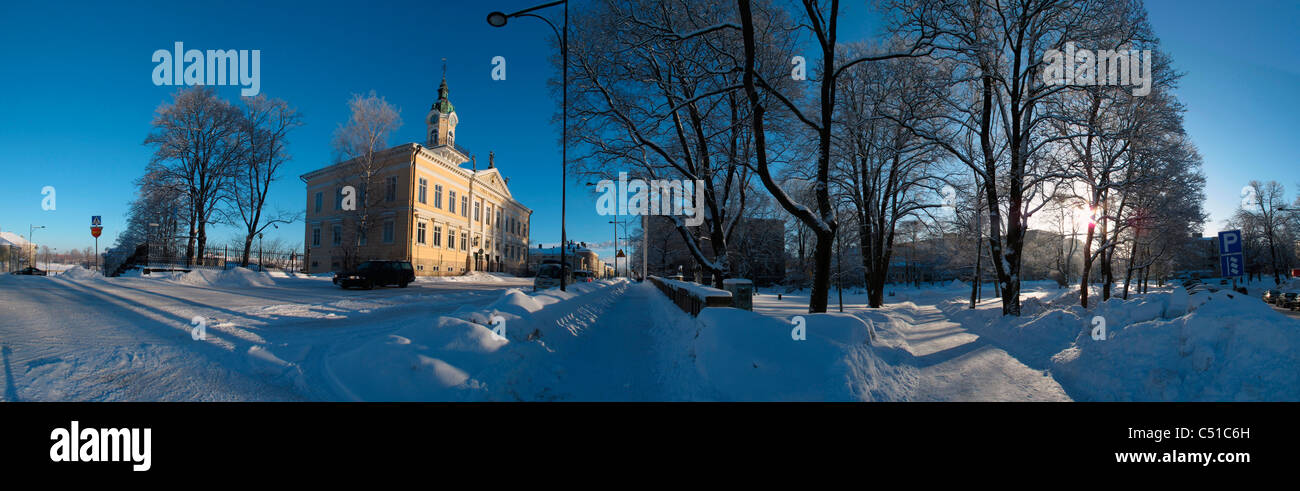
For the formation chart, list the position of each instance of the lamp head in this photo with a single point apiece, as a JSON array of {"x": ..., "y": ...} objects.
[{"x": 496, "y": 19}]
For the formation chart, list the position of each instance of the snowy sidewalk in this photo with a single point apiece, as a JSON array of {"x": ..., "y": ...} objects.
[
  {"x": 956, "y": 365},
  {"x": 632, "y": 349}
]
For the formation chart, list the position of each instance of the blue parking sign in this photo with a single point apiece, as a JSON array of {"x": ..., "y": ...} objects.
[
  {"x": 1232, "y": 265},
  {"x": 1230, "y": 242}
]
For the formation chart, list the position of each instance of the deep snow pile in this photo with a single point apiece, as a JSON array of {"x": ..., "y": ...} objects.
[
  {"x": 78, "y": 273},
  {"x": 744, "y": 356},
  {"x": 1228, "y": 348},
  {"x": 473, "y": 277},
  {"x": 459, "y": 357},
  {"x": 237, "y": 277}
]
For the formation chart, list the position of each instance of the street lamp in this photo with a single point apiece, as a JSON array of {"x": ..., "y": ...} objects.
[
  {"x": 31, "y": 231},
  {"x": 615, "y": 254},
  {"x": 499, "y": 19}
]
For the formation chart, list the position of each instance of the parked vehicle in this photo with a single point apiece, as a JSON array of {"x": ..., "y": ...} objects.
[
  {"x": 1272, "y": 296},
  {"x": 548, "y": 276},
  {"x": 30, "y": 271},
  {"x": 581, "y": 276},
  {"x": 1288, "y": 300},
  {"x": 370, "y": 274}
]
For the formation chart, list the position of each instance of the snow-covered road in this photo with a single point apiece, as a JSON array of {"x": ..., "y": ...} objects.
[{"x": 129, "y": 339}]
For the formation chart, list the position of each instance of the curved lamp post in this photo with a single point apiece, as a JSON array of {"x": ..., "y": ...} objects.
[{"x": 499, "y": 19}]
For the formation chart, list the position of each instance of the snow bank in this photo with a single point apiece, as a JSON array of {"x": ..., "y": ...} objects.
[
  {"x": 436, "y": 361},
  {"x": 1229, "y": 348},
  {"x": 744, "y": 356},
  {"x": 474, "y": 277},
  {"x": 459, "y": 357},
  {"x": 78, "y": 273},
  {"x": 237, "y": 277}
]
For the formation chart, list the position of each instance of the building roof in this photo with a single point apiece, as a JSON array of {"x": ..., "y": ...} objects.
[
  {"x": 556, "y": 250},
  {"x": 12, "y": 239}
]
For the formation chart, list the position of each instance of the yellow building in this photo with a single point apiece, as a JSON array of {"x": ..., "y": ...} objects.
[{"x": 423, "y": 207}]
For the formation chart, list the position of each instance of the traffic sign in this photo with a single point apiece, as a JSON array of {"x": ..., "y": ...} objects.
[
  {"x": 1232, "y": 265},
  {"x": 94, "y": 221},
  {"x": 1230, "y": 242},
  {"x": 94, "y": 231}
]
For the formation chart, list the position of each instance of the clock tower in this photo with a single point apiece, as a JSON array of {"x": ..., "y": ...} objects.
[{"x": 442, "y": 119}]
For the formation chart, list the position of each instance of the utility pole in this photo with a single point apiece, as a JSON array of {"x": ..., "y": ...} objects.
[{"x": 645, "y": 245}]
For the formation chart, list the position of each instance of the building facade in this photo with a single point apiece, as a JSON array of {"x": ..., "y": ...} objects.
[
  {"x": 419, "y": 203},
  {"x": 579, "y": 257}
]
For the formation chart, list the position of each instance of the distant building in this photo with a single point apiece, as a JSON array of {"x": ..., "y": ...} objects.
[
  {"x": 579, "y": 257},
  {"x": 756, "y": 251},
  {"x": 442, "y": 217}
]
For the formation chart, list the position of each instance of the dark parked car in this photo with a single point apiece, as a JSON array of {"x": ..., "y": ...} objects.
[
  {"x": 30, "y": 271},
  {"x": 1288, "y": 300},
  {"x": 377, "y": 273},
  {"x": 548, "y": 276}
]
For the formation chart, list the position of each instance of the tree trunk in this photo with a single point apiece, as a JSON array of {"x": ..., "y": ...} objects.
[
  {"x": 820, "y": 296},
  {"x": 248, "y": 244}
]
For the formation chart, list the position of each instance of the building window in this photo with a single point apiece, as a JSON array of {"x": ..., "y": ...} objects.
[
  {"x": 388, "y": 231},
  {"x": 489, "y": 214},
  {"x": 419, "y": 233},
  {"x": 489, "y": 243},
  {"x": 451, "y": 239},
  {"x": 315, "y": 234},
  {"x": 524, "y": 231},
  {"x": 437, "y": 196},
  {"x": 451, "y": 201},
  {"x": 390, "y": 189},
  {"x": 478, "y": 205},
  {"x": 337, "y": 235},
  {"x": 319, "y": 197},
  {"x": 464, "y": 241},
  {"x": 464, "y": 206},
  {"x": 361, "y": 235},
  {"x": 498, "y": 217},
  {"x": 437, "y": 236},
  {"x": 424, "y": 190},
  {"x": 338, "y": 199}
]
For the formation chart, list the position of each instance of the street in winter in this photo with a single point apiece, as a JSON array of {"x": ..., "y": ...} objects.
[{"x": 650, "y": 201}]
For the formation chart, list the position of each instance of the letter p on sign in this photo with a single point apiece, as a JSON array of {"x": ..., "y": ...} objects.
[{"x": 1230, "y": 242}]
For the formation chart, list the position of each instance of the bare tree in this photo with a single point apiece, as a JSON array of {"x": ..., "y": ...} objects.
[
  {"x": 655, "y": 92},
  {"x": 823, "y": 22},
  {"x": 997, "y": 50},
  {"x": 1262, "y": 210},
  {"x": 889, "y": 174},
  {"x": 198, "y": 144},
  {"x": 359, "y": 143},
  {"x": 267, "y": 123}
]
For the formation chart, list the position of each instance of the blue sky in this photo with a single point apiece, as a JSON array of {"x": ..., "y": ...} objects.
[{"x": 78, "y": 96}]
